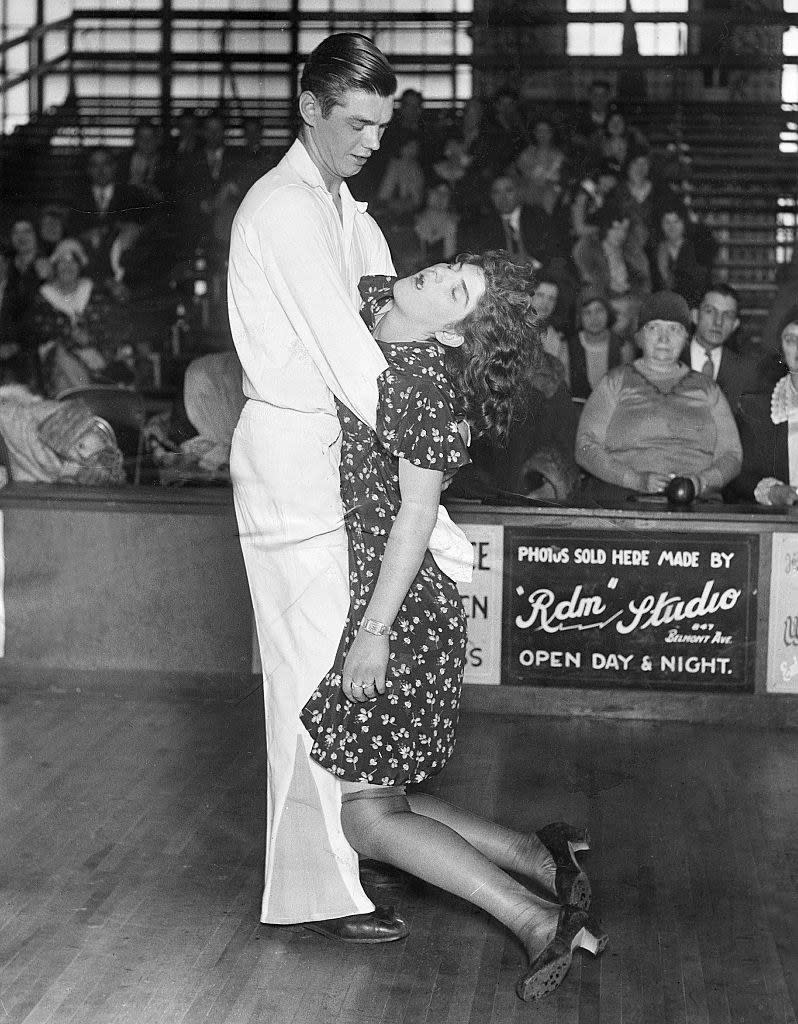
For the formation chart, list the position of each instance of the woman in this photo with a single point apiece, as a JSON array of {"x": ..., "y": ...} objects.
[
  {"x": 675, "y": 264},
  {"x": 538, "y": 167},
  {"x": 639, "y": 197},
  {"x": 647, "y": 423},
  {"x": 456, "y": 338},
  {"x": 616, "y": 264},
  {"x": 401, "y": 190},
  {"x": 593, "y": 190},
  {"x": 769, "y": 432},
  {"x": 72, "y": 323},
  {"x": 436, "y": 225},
  {"x": 595, "y": 348}
]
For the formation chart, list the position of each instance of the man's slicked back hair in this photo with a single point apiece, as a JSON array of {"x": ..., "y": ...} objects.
[{"x": 346, "y": 61}]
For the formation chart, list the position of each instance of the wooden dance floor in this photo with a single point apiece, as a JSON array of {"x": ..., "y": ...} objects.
[{"x": 130, "y": 865}]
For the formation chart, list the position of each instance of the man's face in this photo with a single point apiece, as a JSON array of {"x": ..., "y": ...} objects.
[
  {"x": 715, "y": 319},
  {"x": 343, "y": 141},
  {"x": 594, "y": 317},
  {"x": 23, "y": 237},
  {"x": 101, "y": 168},
  {"x": 599, "y": 98},
  {"x": 504, "y": 195},
  {"x": 214, "y": 133},
  {"x": 544, "y": 299},
  {"x": 672, "y": 227}
]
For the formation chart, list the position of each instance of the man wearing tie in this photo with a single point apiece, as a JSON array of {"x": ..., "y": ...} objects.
[
  {"x": 716, "y": 319},
  {"x": 526, "y": 232}
]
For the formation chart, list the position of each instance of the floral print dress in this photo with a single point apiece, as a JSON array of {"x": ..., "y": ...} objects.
[{"x": 407, "y": 733}]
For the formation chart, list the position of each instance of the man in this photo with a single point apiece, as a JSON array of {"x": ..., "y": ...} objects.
[
  {"x": 526, "y": 232},
  {"x": 716, "y": 319},
  {"x": 299, "y": 246}
]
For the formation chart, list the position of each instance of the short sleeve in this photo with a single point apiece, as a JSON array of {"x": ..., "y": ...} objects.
[{"x": 416, "y": 422}]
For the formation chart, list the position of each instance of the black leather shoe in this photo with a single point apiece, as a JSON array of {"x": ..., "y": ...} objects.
[
  {"x": 545, "y": 973},
  {"x": 381, "y": 925}
]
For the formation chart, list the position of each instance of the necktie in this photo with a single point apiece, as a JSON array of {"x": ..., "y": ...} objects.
[{"x": 708, "y": 369}]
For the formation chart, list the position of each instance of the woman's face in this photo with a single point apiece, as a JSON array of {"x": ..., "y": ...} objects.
[
  {"x": 51, "y": 228},
  {"x": 543, "y": 133},
  {"x": 662, "y": 341},
  {"x": 67, "y": 270},
  {"x": 439, "y": 197},
  {"x": 789, "y": 346},
  {"x": 440, "y": 296},
  {"x": 23, "y": 238},
  {"x": 616, "y": 124},
  {"x": 544, "y": 299},
  {"x": 638, "y": 168},
  {"x": 672, "y": 226},
  {"x": 617, "y": 232},
  {"x": 594, "y": 317}
]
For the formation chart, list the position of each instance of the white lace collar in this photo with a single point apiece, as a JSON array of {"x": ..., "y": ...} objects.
[{"x": 784, "y": 401}]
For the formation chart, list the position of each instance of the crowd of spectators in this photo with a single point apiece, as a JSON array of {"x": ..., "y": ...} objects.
[{"x": 603, "y": 221}]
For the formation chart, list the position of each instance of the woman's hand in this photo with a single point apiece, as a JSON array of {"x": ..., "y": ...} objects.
[
  {"x": 365, "y": 666},
  {"x": 655, "y": 483},
  {"x": 783, "y": 495}
]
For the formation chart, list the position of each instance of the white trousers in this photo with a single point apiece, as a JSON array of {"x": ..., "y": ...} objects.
[{"x": 284, "y": 467}]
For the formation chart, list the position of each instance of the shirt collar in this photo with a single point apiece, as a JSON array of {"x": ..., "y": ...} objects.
[
  {"x": 698, "y": 355},
  {"x": 299, "y": 159}
]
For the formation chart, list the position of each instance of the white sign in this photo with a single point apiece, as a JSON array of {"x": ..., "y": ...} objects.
[
  {"x": 783, "y": 620},
  {"x": 482, "y": 599}
]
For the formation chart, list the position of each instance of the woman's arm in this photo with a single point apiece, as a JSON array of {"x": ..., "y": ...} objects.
[{"x": 367, "y": 660}]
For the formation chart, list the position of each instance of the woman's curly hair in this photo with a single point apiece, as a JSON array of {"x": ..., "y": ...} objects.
[{"x": 502, "y": 344}]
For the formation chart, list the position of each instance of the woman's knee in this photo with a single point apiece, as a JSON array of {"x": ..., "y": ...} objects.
[{"x": 364, "y": 813}]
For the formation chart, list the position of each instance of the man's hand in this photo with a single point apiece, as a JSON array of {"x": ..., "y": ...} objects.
[{"x": 363, "y": 676}]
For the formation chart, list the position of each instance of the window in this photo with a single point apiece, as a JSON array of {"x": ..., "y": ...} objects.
[{"x": 605, "y": 39}]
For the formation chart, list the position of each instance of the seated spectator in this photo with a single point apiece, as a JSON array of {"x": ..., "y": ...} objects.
[
  {"x": 590, "y": 196},
  {"x": 544, "y": 299},
  {"x": 593, "y": 118},
  {"x": 101, "y": 206},
  {"x": 212, "y": 400},
  {"x": 19, "y": 362},
  {"x": 57, "y": 442},
  {"x": 73, "y": 324},
  {"x": 504, "y": 136},
  {"x": 255, "y": 160},
  {"x": 538, "y": 167},
  {"x": 401, "y": 192},
  {"x": 769, "y": 433},
  {"x": 526, "y": 232},
  {"x": 646, "y": 423},
  {"x": 436, "y": 226},
  {"x": 615, "y": 263},
  {"x": 716, "y": 319},
  {"x": 616, "y": 142},
  {"x": 639, "y": 197},
  {"x": 594, "y": 348},
  {"x": 535, "y": 458},
  {"x": 144, "y": 166},
  {"x": 215, "y": 190},
  {"x": 453, "y": 164},
  {"x": 51, "y": 227},
  {"x": 27, "y": 269},
  {"x": 675, "y": 266}
]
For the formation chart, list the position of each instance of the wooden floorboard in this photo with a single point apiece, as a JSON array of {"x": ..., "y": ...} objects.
[{"x": 130, "y": 871}]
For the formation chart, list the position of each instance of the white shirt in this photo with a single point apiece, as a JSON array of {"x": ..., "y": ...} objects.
[
  {"x": 698, "y": 356},
  {"x": 292, "y": 292},
  {"x": 103, "y": 194}
]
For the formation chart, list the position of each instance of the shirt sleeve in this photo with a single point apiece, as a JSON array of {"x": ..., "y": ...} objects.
[
  {"x": 591, "y": 436},
  {"x": 304, "y": 270},
  {"x": 415, "y": 422}
]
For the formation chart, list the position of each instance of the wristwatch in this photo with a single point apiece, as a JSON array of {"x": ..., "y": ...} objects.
[{"x": 375, "y": 627}]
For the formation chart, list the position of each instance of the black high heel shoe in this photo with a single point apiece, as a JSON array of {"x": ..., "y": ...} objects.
[
  {"x": 563, "y": 842},
  {"x": 546, "y": 972}
]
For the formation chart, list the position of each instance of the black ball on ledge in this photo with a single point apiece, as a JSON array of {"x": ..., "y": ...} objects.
[{"x": 680, "y": 491}]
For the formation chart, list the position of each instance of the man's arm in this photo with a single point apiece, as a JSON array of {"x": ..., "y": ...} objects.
[{"x": 303, "y": 264}]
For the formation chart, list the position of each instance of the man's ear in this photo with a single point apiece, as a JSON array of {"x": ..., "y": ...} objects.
[
  {"x": 450, "y": 338},
  {"x": 309, "y": 108}
]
